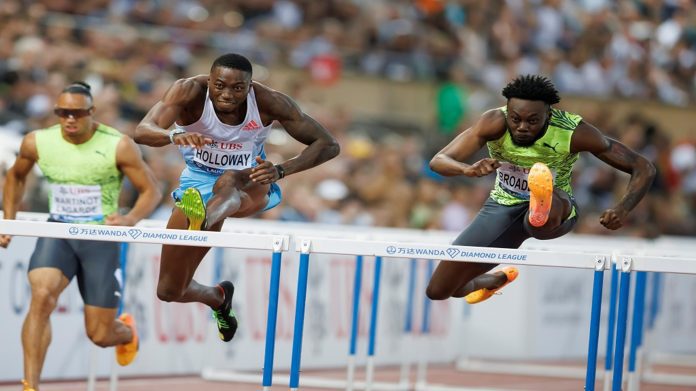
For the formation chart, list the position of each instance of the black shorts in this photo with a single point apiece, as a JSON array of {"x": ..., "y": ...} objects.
[
  {"x": 503, "y": 226},
  {"x": 96, "y": 265}
]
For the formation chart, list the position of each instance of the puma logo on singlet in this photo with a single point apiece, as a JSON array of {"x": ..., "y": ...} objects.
[{"x": 552, "y": 147}]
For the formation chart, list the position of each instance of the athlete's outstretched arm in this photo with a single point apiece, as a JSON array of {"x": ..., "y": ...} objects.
[
  {"x": 153, "y": 129},
  {"x": 130, "y": 163},
  {"x": 16, "y": 179},
  {"x": 450, "y": 160},
  {"x": 321, "y": 145},
  {"x": 588, "y": 138}
]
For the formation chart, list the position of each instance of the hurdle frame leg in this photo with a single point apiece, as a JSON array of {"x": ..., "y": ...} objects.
[
  {"x": 634, "y": 356},
  {"x": 352, "y": 348},
  {"x": 422, "y": 370},
  {"x": 370, "y": 369},
  {"x": 624, "y": 289},
  {"x": 299, "y": 315},
  {"x": 405, "y": 372},
  {"x": 594, "y": 323},
  {"x": 611, "y": 326},
  {"x": 272, "y": 316}
]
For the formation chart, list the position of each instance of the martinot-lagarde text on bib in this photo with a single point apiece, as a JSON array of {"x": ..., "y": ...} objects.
[{"x": 76, "y": 202}]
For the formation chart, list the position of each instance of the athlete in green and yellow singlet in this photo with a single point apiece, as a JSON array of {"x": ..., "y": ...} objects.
[
  {"x": 83, "y": 162},
  {"x": 532, "y": 147}
]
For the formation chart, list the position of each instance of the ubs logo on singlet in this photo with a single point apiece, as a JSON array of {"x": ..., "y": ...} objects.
[{"x": 226, "y": 146}]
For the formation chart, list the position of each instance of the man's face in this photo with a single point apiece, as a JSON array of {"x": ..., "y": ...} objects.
[
  {"x": 527, "y": 120},
  {"x": 228, "y": 88},
  {"x": 74, "y": 112}
]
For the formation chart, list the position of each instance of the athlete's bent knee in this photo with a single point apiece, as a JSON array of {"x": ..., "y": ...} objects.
[
  {"x": 99, "y": 338},
  {"x": 228, "y": 180},
  {"x": 437, "y": 293}
]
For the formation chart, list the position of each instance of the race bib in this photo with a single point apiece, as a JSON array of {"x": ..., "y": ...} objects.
[
  {"x": 225, "y": 156},
  {"x": 76, "y": 202},
  {"x": 513, "y": 179}
]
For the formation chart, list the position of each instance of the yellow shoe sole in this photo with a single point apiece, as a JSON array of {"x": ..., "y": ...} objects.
[
  {"x": 193, "y": 207},
  {"x": 540, "y": 182},
  {"x": 483, "y": 294}
]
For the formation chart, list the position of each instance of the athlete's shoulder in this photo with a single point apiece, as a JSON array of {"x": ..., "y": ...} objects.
[
  {"x": 564, "y": 119},
  {"x": 28, "y": 148},
  {"x": 497, "y": 114},
  {"x": 491, "y": 124},
  {"x": 273, "y": 102},
  {"x": 265, "y": 94},
  {"x": 186, "y": 89}
]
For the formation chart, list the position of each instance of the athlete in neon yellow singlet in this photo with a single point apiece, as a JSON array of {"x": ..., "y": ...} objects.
[
  {"x": 532, "y": 147},
  {"x": 84, "y": 162}
]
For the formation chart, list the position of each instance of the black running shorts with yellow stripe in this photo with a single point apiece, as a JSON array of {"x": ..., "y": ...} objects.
[{"x": 94, "y": 263}]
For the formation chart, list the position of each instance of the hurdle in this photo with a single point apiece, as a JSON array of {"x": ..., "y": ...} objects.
[
  {"x": 596, "y": 262},
  {"x": 322, "y": 245},
  {"x": 647, "y": 358},
  {"x": 641, "y": 264},
  {"x": 307, "y": 245},
  {"x": 140, "y": 234}
]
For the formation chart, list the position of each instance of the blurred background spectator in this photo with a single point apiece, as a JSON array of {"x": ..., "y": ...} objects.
[{"x": 394, "y": 80}]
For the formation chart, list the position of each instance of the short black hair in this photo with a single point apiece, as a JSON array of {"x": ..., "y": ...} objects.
[
  {"x": 79, "y": 87},
  {"x": 532, "y": 87},
  {"x": 233, "y": 61}
]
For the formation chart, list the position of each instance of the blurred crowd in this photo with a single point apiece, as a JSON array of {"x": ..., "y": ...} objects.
[{"x": 130, "y": 51}]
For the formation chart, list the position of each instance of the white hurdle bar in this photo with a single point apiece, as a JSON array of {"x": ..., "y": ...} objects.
[
  {"x": 582, "y": 260},
  {"x": 275, "y": 243},
  {"x": 175, "y": 237}
]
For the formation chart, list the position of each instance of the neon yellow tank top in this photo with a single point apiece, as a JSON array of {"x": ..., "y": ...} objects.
[
  {"x": 84, "y": 180},
  {"x": 552, "y": 149}
]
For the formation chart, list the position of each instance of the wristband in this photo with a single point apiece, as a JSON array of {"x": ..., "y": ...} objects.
[
  {"x": 280, "y": 170},
  {"x": 174, "y": 132}
]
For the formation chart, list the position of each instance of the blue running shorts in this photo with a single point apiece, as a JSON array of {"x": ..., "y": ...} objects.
[{"x": 204, "y": 183}]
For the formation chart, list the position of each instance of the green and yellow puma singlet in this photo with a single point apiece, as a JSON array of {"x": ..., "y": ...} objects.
[
  {"x": 84, "y": 180},
  {"x": 552, "y": 149}
]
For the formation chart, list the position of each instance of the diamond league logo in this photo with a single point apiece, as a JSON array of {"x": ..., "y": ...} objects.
[
  {"x": 391, "y": 250},
  {"x": 452, "y": 252},
  {"x": 73, "y": 230},
  {"x": 134, "y": 233}
]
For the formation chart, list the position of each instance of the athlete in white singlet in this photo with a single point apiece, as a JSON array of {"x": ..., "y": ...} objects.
[{"x": 221, "y": 121}]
